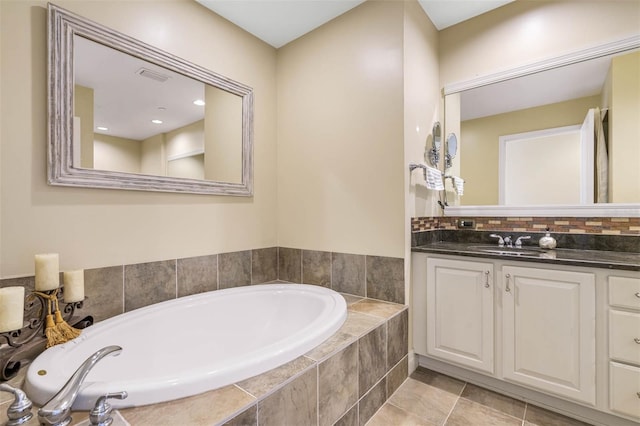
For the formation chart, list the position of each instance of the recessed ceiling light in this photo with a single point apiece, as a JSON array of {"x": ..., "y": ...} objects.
[
  {"x": 104, "y": 129},
  {"x": 156, "y": 121},
  {"x": 198, "y": 102}
]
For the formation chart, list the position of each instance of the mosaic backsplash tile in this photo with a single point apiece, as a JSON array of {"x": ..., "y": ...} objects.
[{"x": 575, "y": 225}]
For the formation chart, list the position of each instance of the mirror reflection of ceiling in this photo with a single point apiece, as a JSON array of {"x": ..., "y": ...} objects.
[
  {"x": 129, "y": 93},
  {"x": 278, "y": 22},
  {"x": 552, "y": 86}
]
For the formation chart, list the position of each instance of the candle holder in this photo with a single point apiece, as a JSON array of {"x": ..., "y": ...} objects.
[{"x": 20, "y": 346}]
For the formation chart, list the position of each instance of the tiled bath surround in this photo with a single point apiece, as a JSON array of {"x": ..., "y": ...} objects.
[
  {"x": 343, "y": 381},
  {"x": 113, "y": 290}
]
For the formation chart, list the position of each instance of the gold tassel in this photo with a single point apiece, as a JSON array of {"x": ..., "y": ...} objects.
[
  {"x": 51, "y": 331},
  {"x": 68, "y": 332}
]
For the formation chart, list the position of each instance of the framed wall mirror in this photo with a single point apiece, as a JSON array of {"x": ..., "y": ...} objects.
[
  {"x": 126, "y": 115},
  {"x": 598, "y": 86}
]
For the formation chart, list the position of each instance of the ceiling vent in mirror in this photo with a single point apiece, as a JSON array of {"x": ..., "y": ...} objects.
[{"x": 154, "y": 75}]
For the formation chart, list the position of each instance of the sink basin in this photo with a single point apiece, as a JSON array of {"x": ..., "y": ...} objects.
[{"x": 509, "y": 251}]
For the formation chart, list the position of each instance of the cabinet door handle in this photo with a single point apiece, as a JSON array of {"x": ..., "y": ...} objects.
[
  {"x": 637, "y": 340},
  {"x": 638, "y": 294},
  {"x": 486, "y": 277},
  {"x": 507, "y": 289}
]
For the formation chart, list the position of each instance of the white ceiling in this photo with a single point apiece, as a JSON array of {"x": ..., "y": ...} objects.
[{"x": 278, "y": 22}]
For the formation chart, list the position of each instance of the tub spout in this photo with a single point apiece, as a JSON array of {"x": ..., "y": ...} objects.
[{"x": 57, "y": 411}]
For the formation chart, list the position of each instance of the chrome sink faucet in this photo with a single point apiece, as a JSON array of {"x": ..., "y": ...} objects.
[
  {"x": 503, "y": 241},
  {"x": 57, "y": 411},
  {"x": 519, "y": 240}
]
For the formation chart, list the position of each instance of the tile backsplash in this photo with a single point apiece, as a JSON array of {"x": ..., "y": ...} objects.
[{"x": 572, "y": 225}]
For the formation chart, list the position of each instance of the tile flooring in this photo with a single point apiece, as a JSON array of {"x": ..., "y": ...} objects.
[{"x": 428, "y": 398}]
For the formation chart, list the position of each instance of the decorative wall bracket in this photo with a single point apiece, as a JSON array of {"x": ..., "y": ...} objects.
[{"x": 18, "y": 347}]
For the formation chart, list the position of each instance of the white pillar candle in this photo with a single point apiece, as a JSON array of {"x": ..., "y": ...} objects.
[
  {"x": 47, "y": 272},
  {"x": 11, "y": 308},
  {"x": 73, "y": 286}
]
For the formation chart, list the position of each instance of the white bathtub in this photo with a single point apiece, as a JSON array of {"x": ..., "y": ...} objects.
[{"x": 193, "y": 344}]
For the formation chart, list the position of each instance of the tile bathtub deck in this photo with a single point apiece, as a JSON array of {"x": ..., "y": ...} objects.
[
  {"x": 220, "y": 405},
  {"x": 428, "y": 398}
]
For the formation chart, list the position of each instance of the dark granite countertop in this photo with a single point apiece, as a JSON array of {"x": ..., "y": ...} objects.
[{"x": 584, "y": 252}]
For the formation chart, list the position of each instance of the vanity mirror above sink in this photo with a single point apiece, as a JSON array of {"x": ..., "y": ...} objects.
[
  {"x": 541, "y": 97},
  {"x": 127, "y": 115}
]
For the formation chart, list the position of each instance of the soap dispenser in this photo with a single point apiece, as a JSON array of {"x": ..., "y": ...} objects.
[{"x": 547, "y": 242}]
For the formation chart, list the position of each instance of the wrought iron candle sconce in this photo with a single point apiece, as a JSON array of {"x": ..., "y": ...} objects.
[{"x": 23, "y": 345}]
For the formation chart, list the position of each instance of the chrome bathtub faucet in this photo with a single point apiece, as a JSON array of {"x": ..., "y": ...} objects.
[{"x": 57, "y": 411}]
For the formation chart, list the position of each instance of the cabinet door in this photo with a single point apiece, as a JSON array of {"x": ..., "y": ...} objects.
[
  {"x": 549, "y": 330},
  {"x": 460, "y": 312}
]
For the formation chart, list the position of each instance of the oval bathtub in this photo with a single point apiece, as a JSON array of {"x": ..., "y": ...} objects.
[{"x": 193, "y": 344}]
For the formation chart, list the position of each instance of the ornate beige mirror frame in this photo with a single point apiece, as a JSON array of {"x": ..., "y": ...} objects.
[{"x": 66, "y": 30}]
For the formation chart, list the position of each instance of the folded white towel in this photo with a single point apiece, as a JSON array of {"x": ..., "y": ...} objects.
[
  {"x": 458, "y": 184},
  {"x": 433, "y": 177}
]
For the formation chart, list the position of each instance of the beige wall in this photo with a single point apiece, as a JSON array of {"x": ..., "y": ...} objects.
[
  {"x": 117, "y": 154},
  {"x": 185, "y": 140},
  {"x": 83, "y": 110},
  {"x": 340, "y": 135},
  {"x": 480, "y": 142},
  {"x": 154, "y": 157},
  {"x": 421, "y": 106},
  {"x": 523, "y": 32},
  {"x": 223, "y": 135},
  {"x": 91, "y": 227},
  {"x": 624, "y": 146}
]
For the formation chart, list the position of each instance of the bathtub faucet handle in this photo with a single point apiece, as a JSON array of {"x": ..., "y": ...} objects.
[
  {"x": 57, "y": 411},
  {"x": 19, "y": 412},
  {"x": 101, "y": 413}
]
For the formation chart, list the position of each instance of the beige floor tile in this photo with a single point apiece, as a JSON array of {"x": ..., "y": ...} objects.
[
  {"x": 541, "y": 417},
  {"x": 389, "y": 414},
  {"x": 468, "y": 413},
  {"x": 438, "y": 380},
  {"x": 494, "y": 400},
  {"x": 427, "y": 402}
]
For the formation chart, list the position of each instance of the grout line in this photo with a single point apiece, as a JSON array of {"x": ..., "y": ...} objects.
[
  {"x": 365, "y": 275},
  {"x": 331, "y": 270},
  {"x": 454, "y": 405},
  {"x": 176, "y": 279},
  {"x": 524, "y": 414}
]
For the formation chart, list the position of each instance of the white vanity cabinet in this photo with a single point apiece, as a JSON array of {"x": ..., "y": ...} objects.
[
  {"x": 561, "y": 336},
  {"x": 624, "y": 345},
  {"x": 460, "y": 314},
  {"x": 548, "y": 331}
]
